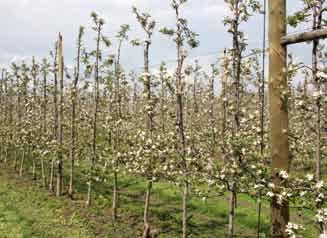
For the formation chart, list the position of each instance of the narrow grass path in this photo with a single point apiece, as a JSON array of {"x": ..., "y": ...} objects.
[{"x": 27, "y": 212}]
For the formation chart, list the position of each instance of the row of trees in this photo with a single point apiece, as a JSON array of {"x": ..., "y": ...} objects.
[{"x": 165, "y": 126}]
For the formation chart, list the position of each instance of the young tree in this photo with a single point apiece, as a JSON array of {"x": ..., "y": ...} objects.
[
  {"x": 241, "y": 11},
  {"x": 100, "y": 38},
  {"x": 262, "y": 88},
  {"x": 121, "y": 36},
  {"x": 34, "y": 102},
  {"x": 181, "y": 35},
  {"x": 55, "y": 114},
  {"x": 73, "y": 110},
  {"x": 212, "y": 102},
  {"x": 224, "y": 100},
  {"x": 45, "y": 71},
  {"x": 163, "y": 99},
  {"x": 3, "y": 111},
  {"x": 148, "y": 26},
  {"x": 313, "y": 10},
  {"x": 23, "y": 114}
]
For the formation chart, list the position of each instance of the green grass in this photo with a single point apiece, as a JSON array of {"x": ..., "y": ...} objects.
[{"x": 27, "y": 210}]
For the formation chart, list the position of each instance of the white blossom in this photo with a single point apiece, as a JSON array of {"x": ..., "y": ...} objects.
[{"x": 283, "y": 174}]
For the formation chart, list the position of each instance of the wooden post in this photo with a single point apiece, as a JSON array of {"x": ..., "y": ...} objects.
[
  {"x": 304, "y": 36},
  {"x": 278, "y": 110}
]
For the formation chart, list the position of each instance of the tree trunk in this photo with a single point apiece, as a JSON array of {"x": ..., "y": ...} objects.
[
  {"x": 6, "y": 109},
  {"x": 34, "y": 72},
  {"x": 71, "y": 171},
  {"x": 56, "y": 122},
  {"x": 33, "y": 167},
  {"x": 224, "y": 105},
  {"x": 262, "y": 107},
  {"x": 162, "y": 100},
  {"x": 95, "y": 113},
  {"x": 146, "y": 232},
  {"x": 73, "y": 116},
  {"x": 22, "y": 162},
  {"x": 89, "y": 193},
  {"x": 115, "y": 197},
  {"x": 185, "y": 214},
  {"x": 232, "y": 202},
  {"x": 2, "y": 111},
  {"x": 44, "y": 181},
  {"x": 317, "y": 20},
  {"x": 116, "y": 143},
  {"x": 237, "y": 57},
  {"x": 211, "y": 112},
  {"x": 51, "y": 183},
  {"x": 44, "y": 120}
]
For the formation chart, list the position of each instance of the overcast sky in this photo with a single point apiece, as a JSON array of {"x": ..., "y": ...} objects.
[{"x": 30, "y": 27}]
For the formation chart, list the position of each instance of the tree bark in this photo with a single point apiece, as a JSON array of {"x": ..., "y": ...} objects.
[
  {"x": 146, "y": 231},
  {"x": 118, "y": 131},
  {"x": 55, "y": 102},
  {"x": 317, "y": 21},
  {"x": 262, "y": 108},
  {"x": 162, "y": 100},
  {"x": 95, "y": 113},
  {"x": 232, "y": 202},
  {"x": 237, "y": 57},
  {"x": 2, "y": 111},
  {"x": 149, "y": 121},
  {"x": 211, "y": 112},
  {"x": 115, "y": 197},
  {"x": 44, "y": 120},
  {"x": 180, "y": 125},
  {"x": 22, "y": 162},
  {"x": 73, "y": 116},
  {"x": 224, "y": 105},
  {"x": 61, "y": 118},
  {"x": 185, "y": 213},
  {"x": 34, "y": 109}
]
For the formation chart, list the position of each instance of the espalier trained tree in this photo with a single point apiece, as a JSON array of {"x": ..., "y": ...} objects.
[
  {"x": 182, "y": 36},
  {"x": 45, "y": 68},
  {"x": 74, "y": 95},
  {"x": 241, "y": 11},
  {"x": 55, "y": 114},
  {"x": 313, "y": 11},
  {"x": 148, "y": 26},
  {"x": 119, "y": 119},
  {"x": 97, "y": 54}
]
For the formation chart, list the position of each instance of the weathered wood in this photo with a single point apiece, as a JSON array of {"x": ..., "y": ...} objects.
[
  {"x": 304, "y": 36},
  {"x": 278, "y": 111}
]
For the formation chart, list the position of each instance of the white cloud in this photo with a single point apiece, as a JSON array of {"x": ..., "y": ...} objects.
[{"x": 31, "y": 26}]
